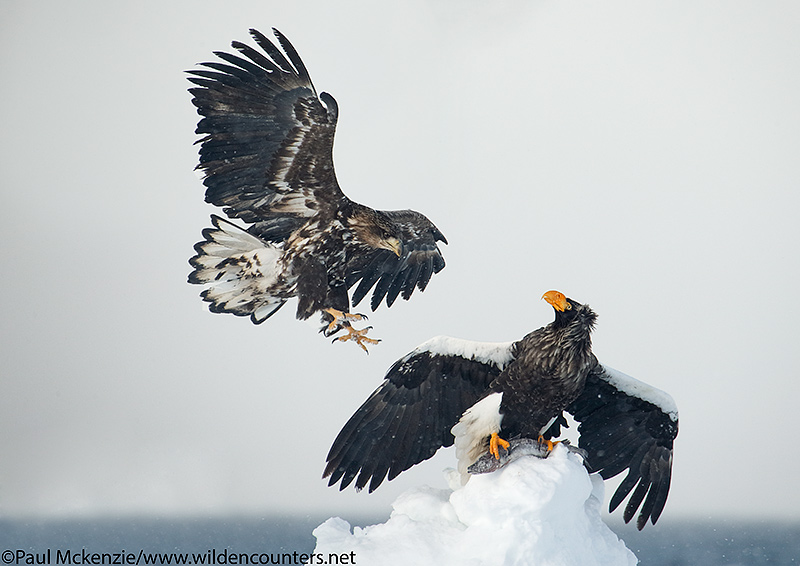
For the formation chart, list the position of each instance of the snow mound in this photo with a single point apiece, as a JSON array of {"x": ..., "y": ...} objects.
[{"x": 531, "y": 512}]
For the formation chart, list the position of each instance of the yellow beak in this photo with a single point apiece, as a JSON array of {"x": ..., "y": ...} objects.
[
  {"x": 394, "y": 245},
  {"x": 557, "y": 300}
]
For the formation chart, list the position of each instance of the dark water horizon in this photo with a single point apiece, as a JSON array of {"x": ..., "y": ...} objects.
[{"x": 132, "y": 540}]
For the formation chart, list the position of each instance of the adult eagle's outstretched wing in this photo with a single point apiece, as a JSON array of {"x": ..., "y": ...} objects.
[
  {"x": 627, "y": 424},
  {"x": 391, "y": 276},
  {"x": 409, "y": 417},
  {"x": 267, "y": 151}
]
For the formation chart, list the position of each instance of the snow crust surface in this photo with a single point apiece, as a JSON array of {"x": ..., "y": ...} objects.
[
  {"x": 532, "y": 512},
  {"x": 495, "y": 353},
  {"x": 636, "y": 388}
]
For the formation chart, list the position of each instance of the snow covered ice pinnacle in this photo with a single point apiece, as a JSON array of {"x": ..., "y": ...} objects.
[{"x": 531, "y": 512}]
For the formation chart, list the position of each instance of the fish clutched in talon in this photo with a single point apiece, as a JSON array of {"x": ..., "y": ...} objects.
[
  {"x": 549, "y": 443},
  {"x": 495, "y": 443},
  {"x": 518, "y": 448}
]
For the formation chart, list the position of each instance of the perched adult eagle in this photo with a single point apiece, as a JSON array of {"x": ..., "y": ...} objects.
[
  {"x": 449, "y": 390},
  {"x": 267, "y": 158}
]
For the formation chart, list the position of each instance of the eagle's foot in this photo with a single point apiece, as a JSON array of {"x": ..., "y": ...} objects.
[
  {"x": 339, "y": 320},
  {"x": 549, "y": 443},
  {"x": 357, "y": 336},
  {"x": 495, "y": 442}
]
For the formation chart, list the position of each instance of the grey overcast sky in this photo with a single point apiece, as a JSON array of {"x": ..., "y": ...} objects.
[{"x": 641, "y": 156}]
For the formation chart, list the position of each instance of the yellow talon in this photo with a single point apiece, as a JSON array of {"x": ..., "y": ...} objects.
[
  {"x": 341, "y": 321},
  {"x": 340, "y": 317},
  {"x": 550, "y": 443},
  {"x": 358, "y": 336},
  {"x": 494, "y": 443}
]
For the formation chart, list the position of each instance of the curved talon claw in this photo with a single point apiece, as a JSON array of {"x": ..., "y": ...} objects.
[
  {"x": 550, "y": 443},
  {"x": 495, "y": 442},
  {"x": 340, "y": 320},
  {"x": 358, "y": 336}
]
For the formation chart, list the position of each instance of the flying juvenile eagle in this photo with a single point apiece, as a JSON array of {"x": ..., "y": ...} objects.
[
  {"x": 449, "y": 390},
  {"x": 267, "y": 158}
]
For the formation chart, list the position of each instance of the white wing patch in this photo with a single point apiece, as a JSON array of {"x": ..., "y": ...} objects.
[
  {"x": 495, "y": 353},
  {"x": 470, "y": 432},
  {"x": 635, "y": 388}
]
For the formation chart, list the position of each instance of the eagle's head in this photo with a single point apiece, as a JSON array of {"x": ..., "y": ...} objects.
[
  {"x": 570, "y": 337},
  {"x": 568, "y": 311},
  {"x": 376, "y": 230}
]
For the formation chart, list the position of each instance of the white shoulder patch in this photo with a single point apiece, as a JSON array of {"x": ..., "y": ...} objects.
[
  {"x": 635, "y": 388},
  {"x": 494, "y": 353}
]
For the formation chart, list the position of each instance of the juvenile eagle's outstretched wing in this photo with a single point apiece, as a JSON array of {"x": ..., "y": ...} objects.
[
  {"x": 408, "y": 418},
  {"x": 628, "y": 425},
  {"x": 266, "y": 152},
  {"x": 381, "y": 268}
]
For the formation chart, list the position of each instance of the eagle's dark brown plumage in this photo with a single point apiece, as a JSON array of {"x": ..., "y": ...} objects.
[
  {"x": 267, "y": 158},
  {"x": 455, "y": 391}
]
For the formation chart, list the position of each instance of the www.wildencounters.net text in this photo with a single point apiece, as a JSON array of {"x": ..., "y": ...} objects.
[{"x": 83, "y": 557}]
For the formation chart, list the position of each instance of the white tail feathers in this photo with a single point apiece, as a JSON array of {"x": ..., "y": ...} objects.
[
  {"x": 473, "y": 428},
  {"x": 241, "y": 272}
]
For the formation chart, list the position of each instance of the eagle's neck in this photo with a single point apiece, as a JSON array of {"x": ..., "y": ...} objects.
[{"x": 561, "y": 350}]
